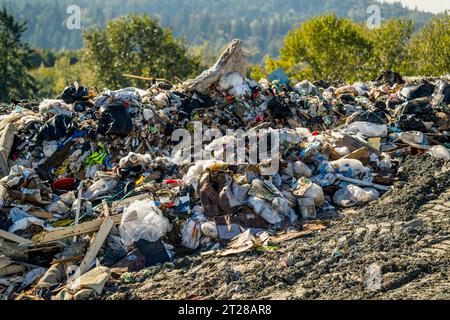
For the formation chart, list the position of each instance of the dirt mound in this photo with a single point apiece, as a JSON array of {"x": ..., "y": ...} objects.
[
  {"x": 421, "y": 179},
  {"x": 396, "y": 248}
]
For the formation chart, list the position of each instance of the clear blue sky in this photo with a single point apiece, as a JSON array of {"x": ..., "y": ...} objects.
[{"x": 434, "y": 6}]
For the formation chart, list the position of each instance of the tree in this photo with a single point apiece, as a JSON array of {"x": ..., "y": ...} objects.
[
  {"x": 51, "y": 80},
  {"x": 430, "y": 49},
  {"x": 390, "y": 46},
  {"x": 325, "y": 47},
  {"x": 15, "y": 82},
  {"x": 136, "y": 45}
]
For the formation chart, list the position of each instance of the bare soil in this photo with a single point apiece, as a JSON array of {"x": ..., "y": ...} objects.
[{"x": 396, "y": 248}]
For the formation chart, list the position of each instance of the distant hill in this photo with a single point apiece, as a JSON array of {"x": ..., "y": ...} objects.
[{"x": 262, "y": 23}]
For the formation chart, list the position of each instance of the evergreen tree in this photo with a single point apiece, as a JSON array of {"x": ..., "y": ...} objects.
[{"x": 15, "y": 56}]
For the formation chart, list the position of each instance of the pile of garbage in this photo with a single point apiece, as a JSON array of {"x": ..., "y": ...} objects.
[{"x": 93, "y": 186}]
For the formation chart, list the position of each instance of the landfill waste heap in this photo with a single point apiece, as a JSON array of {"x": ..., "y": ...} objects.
[{"x": 90, "y": 190}]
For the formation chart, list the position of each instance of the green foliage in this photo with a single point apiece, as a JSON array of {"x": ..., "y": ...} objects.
[
  {"x": 44, "y": 57},
  {"x": 136, "y": 45},
  {"x": 15, "y": 82},
  {"x": 333, "y": 48},
  {"x": 430, "y": 48},
  {"x": 390, "y": 49},
  {"x": 52, "y": 80},
  {"x": 261, "y": 23}
]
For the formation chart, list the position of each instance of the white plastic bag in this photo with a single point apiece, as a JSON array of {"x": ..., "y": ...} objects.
[
  {"x": 307, "y": 189},
  {"x": 55, "y": 107},
  {"x": 412, "y": 137},
  {"x": 302, "y": 170},
  {"x": 343, "y": 151},
  {"x": 305, "y": 87},
  {"x": 351, "y": 167},
  {"x": 193, "y": 175},
  {"x": 261, "y": 208},
  {"x": 99, "y": 189},
  {"x": 50, "y": 147},
  {"x": 134, "y": 160},
  {"x": 230, "y": 80},
  {"x": 352, "y": 195},
  {"x": 367, "y": 129},
  {"x": 241, "y": 90},
  {"x": 209, "y": 229},
  {"x": 304, "y": 133},
  {"x": 143, "y": 220},
  {"x": 58, "y": 207},
  {"x": 439, "y": 152},
  {"x": 190, "y": 234}
]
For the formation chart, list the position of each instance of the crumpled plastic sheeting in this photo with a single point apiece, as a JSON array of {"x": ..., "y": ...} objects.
[{"x": 143, "y": 220}]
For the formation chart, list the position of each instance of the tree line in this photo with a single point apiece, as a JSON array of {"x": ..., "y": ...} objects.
[
  {"x": 333, "y": 48},
  {"x": 325, "y": 47},
  {"x": 261, "y": 24}
]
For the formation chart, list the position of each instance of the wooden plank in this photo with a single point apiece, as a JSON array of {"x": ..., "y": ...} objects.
[
  {"x": 12, "y": 237},
  {"x": 11, "y": 270},
  {"x": 83, "y": 228},
  {"x": 362, "y": 154},
  {"x": 96, "y": 245},
  {"x": 3, "y": 165},
  {"x": 4, "y": 262},
  {"x": 41, "y": 214},
  {"x": 143, "y": 78},
  {"x": 7, "y": 295}
]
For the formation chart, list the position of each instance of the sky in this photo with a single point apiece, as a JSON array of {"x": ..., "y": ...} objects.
[{"x": 434, "y": 6}]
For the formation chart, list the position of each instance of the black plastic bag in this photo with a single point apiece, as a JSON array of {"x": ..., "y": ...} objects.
[
  {"x": 443, "y": 93},
  {"x": 411, "y": 123},
  {"x": 57, "y": 128},
  {"x": 416, "y": 91},
  {"x": 421, "y": 106},
  {"x": 188, "y": 105},
  {"x": 115, "y": 120},
  {"x": 391, "y": 78},
  {"x": 278, "y": 110},
  {"x": 369, "y": 116},
  {"x": 72, "y": 94}
]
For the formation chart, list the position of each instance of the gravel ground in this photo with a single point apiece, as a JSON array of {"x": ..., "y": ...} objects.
[{"x": 396, "y": 248}]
